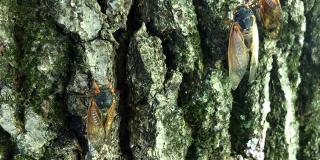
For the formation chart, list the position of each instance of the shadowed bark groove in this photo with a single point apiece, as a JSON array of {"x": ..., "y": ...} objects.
[{"x": 123, "y": 37}]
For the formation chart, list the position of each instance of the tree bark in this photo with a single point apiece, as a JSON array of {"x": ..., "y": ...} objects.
[{"x": 167, "y": 60}]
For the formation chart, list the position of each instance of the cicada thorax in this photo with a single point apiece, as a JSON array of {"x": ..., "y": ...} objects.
[
  {"x": 270, "y": 12},
  {"x": 104, "y": 98}
]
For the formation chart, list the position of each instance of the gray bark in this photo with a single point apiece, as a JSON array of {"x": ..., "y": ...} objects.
[{"x": 167, "y": 60}]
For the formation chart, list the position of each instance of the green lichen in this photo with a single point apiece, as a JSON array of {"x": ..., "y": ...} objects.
[
  {"x": 283, "y": 143},
  {"x": 23, "y": 157},
  {"x": 40, "y": 59},
  {"x": 117, "y": 12},
  {"x": 43, "y": 53},
  {"x": 175, "y": 23},
  {"x": 158, "y": 127},
  {"x": 82, "y": 18},
  {"x": 8, "y": 63},
  {"x": 276, "y": 146},
  {"x": 207, "y": 114},
  {"x": 308, "y": 100}
]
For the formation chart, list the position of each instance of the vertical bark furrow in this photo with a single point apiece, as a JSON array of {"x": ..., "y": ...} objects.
[
  {"x": 275, "y": 144},
  {"x": 207, "y": 113},
  {"x": 207, "y": 108},
  {"x": 123, "y": 37},
  {"x": 256, "y": 104},
  {"x": 211, "y": 16},
  {"x": 287, "y": 62},
  {"x": 8, "y": 71},
  {"x": 309, "y": 95},
  {"x": 175, "y": 23},
  {"x": 7, "y": 146},
  {"x": 116, "y": 14},
  {"x": 158, "y": 130}
]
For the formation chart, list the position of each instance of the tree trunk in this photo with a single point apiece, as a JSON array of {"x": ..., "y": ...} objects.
[{"x": 167, "y": 61}]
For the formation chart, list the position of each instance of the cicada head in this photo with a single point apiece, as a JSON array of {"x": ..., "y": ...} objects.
[{"x": 271, "y": 14}]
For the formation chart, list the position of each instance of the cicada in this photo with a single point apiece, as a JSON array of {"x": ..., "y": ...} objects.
[
  {"x": 98, "y": 123},
  {"x": 243, "y": 40},
  {"x": 271, "y": 13}
]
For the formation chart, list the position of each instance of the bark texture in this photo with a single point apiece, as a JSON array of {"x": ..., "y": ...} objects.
[{"x": 167, "y": 61}]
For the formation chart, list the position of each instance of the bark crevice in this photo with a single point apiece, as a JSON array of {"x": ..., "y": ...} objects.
[{"x": 123, "y": 37}]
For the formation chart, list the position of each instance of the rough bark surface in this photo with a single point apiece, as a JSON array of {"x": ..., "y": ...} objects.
[{"x": 167, "y": 61}]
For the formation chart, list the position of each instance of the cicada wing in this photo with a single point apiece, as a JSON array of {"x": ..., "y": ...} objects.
[
  {"x": 237, "y": 56},
  {"x": 273, "y": 3},
  {"x": 111, "y": 111},
  {"x": 254, "y": 51},
  {"x": 95, "y": 130},
  {"x": 110, "y": 117}
]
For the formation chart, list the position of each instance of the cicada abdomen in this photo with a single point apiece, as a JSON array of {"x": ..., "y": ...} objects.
[{"x": 271, "y": 14}]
